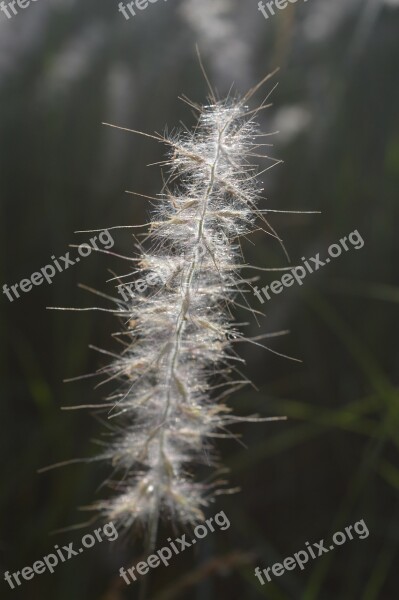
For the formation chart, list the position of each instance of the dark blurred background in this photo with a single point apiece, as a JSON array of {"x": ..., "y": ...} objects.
[{"x": 64, "y": 68}]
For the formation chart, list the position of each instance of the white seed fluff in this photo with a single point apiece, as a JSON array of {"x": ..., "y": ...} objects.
[{"x": 179, "y": 333}]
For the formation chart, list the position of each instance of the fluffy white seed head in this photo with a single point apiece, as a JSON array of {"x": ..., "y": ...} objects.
[{"x": 178, "y": 363}]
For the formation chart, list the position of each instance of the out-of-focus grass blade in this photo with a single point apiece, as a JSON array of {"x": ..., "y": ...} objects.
[{"x": 376, "y": 291}]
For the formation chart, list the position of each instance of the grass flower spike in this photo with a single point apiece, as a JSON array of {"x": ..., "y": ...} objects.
[{"x": 179, "y": 362}]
